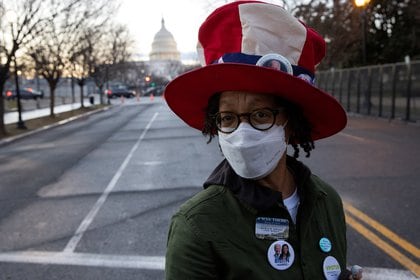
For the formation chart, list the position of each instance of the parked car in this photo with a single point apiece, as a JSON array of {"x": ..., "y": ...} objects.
[
  {"x": 25, "y": 93},
  {"x": 118, "y": 91},
  {"x": 154, "y": 90}
]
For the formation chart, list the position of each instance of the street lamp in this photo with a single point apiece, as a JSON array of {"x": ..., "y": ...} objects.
[
  {"x": 20, "y": 123},
  {"x": 362, "y": 4}
]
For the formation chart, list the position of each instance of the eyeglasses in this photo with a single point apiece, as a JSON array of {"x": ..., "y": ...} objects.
[{"x": 260, "y": 119}]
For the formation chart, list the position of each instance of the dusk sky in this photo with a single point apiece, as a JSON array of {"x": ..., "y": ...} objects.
[{"x": 182, "y": 19}]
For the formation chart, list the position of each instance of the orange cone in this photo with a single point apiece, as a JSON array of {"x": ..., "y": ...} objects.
[{"x": 152, "y": 97}]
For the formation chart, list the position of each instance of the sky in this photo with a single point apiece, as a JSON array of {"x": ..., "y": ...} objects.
[{"x": 182, "y": 18}]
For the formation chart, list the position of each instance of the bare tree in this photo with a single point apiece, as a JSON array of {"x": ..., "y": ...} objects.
[
  {"x": 20, "y": 22},
  {"x": 61, "y": 40},
  {"x": 121, "y": 51},
  {"x": 110, "y": 56},
  {"x": 100, "y": 67},
  {"x": 101, "y": 54},
  {"x": 82, "y": 59}
]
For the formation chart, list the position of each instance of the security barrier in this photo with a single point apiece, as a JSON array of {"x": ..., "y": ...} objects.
[{"x": 389, "y": 90}]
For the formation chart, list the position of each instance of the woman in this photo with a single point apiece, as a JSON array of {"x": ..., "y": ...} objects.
[
  {"x": 285, "y": 255},
  {"x": 258, "y": 198}
]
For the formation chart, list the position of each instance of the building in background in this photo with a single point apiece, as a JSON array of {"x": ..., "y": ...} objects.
[
  {"x": 164, "y": 58},
  {"x": 164, "y": 46}
]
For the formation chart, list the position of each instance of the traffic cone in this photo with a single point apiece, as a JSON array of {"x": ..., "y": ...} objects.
[
  {"x": 152, "y": 97},
  {"x": 122, "y": 99}
]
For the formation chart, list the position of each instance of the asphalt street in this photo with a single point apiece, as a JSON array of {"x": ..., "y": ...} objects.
[{"x": 92, "y": 199}]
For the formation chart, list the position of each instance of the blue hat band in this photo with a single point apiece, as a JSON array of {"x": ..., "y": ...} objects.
[{"x": 275, "y": 61}]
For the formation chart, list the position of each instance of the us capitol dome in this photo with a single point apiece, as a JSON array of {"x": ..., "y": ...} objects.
[{"x": 164, "y": 46}]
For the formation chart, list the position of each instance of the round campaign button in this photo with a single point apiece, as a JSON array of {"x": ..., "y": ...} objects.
[
  {"x": 325, "y": 245},
  {"x": 277, "y": 62},
  {"x": 281, "y": 255},
  {"x": 331, "y": 268}
]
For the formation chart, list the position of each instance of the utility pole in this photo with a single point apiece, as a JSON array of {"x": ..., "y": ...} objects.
[{"x": 20, "y": 123}]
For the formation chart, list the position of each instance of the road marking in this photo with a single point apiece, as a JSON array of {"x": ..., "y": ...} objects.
[
  {"x": 71, "y": 245},
  {"x": 147, "y": 262},
  {"x": 353, "y": 137},
  {"x": 383, "y": 245},
  {"x": 83, "y": 259},
  {"x": 150, "y": 163},
  {"x": 404, "y": 244},
  {"x": 375, "y": 273}
]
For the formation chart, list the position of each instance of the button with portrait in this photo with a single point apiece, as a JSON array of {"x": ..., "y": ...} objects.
[{"x": 281, "y": 255}]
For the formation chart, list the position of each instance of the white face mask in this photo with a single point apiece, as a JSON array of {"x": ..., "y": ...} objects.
[{"x": 253, "y": 154}]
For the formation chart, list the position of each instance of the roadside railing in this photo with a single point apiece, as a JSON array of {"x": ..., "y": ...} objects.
[{"x": 388, "y": 91}]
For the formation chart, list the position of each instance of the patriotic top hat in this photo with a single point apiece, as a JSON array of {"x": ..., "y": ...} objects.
[{"x": 256, "y": 47}]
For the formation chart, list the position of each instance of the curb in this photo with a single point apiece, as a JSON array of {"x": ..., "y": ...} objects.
[
  {"x": 9, "y": 140},
  {"x": 395, "y": 121}
]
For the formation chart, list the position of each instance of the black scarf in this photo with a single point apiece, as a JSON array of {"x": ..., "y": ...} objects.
[{"x": 249, "y": 191}]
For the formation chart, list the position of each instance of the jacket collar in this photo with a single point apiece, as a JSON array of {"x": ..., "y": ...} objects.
[{"x": 250, "y": 192}]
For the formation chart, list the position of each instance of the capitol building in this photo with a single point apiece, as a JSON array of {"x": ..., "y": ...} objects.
[
  {"x": 164, "y": 58},
  {"x": 164, "y": 46}
]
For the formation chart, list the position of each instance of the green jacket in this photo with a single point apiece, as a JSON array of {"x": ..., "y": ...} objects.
[{"x": 213, "y": 234}]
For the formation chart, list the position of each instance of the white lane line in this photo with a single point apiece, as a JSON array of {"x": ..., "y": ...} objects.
[
  {"x": 354, "y": 137},
  {"x": 151, "y": 163},
  {"x": 71, "y": 245},
  {"x": 375, "y": 273},
  {"x": 149, "y": 262},
  {"x": 83, "y": 259}
]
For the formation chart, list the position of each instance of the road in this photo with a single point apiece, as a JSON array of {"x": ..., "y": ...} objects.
[{"x": 92, "y": 199}]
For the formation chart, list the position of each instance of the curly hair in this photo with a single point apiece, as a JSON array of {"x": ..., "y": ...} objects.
[{"x": 299, "y": 126}]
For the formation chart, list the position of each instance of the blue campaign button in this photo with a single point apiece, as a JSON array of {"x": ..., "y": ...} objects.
[{"x": 325, "y": 245}]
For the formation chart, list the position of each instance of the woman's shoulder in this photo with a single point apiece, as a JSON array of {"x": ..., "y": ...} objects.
[
  {"x": 208, "y": 200},
  {"x": 324, "y": 188},
  {"x": 206, "y": 209}
]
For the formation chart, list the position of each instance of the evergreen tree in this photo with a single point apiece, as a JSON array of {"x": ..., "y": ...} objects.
[{"x": 392, "y": 30}]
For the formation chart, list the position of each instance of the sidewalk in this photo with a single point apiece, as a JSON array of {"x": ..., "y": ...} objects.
[{"x": 12, "y": 117}]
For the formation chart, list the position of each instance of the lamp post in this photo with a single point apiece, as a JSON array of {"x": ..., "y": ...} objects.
[
  {"x": 107, "y": 83},
  {"x": 362, "y": 4},
  {"x": 20, "y": 123}
]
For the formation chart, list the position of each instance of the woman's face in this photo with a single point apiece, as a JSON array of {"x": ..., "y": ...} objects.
[{"x": 240, "y": 102}]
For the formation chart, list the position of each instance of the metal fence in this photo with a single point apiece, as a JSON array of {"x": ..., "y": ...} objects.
[{"x": 389, "y": 90}]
